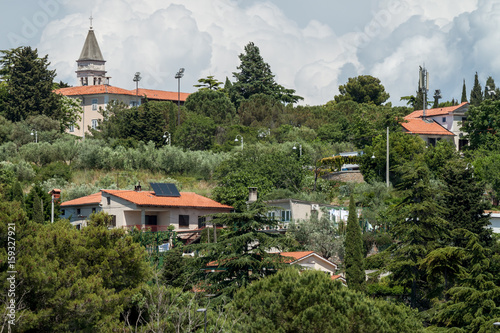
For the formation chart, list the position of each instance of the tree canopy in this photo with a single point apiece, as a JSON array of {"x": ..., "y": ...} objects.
[
  {"x": 363, "y": 89},
  {"x": 312, "y": 302},
  {"x": 255, "y": 77},
  {"x": 29, "y": 85}
]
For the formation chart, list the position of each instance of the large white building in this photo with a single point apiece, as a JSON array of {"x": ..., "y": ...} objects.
[{"x": 95, "y": 92}]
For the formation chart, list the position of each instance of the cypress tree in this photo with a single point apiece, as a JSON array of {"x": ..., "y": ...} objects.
[
  {"x": 489, "y": 88},
  {"x": 353, "y": 260},
  {"x": 17, "y": 193},
  {"x": 464, "y": 93},
  {"x": 476, "y": 94},
  {"x": 419, "y": 100},
  {"x": 37, "y": 209}
]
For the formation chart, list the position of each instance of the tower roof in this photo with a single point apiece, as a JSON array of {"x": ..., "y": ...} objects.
[{"x": 91, "y": 50}]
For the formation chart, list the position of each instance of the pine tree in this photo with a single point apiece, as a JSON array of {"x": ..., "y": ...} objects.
[
  {"x": 464, "y": 94},
  {"x": 241, "y": 255},
  {"x": 353, "y": 260},
  {"x": 29, "y": 84},
  {"x": 255, "y": 77},
  {"x": 465, "y": 203},
  {"x": 418, "y": 227},
  {"x": 476, "y": 94}
]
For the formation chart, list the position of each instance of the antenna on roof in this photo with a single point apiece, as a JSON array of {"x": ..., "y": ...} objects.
[{"x": 90, "y": 18}]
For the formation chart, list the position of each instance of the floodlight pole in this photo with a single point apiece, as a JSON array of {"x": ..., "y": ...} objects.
[
  {"x": 178, "y": 76},
  {"x": 137, "y": 78}
]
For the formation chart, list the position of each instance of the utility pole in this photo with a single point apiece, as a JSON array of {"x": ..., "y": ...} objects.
[{"x": 387, "y": 161}]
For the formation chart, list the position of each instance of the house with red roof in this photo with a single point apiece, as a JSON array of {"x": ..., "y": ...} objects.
[
  {"x": 155, "y": 210},
  {"x": 438, "y": 124},
  {"x": 94, "y": 91},
  {"x": 310, "y": 260}
]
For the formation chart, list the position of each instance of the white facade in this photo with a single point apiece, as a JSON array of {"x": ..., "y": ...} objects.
[{"x": 287, "y": 210}]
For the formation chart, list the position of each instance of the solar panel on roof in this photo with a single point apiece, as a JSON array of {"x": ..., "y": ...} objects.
[{"x": 165, "y": 190}]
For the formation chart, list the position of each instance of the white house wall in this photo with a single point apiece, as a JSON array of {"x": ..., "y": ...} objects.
[
  {"x": 89, "y": 114},
  {"x": 316, "y": 263}
]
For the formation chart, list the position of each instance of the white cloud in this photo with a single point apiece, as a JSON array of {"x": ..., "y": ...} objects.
[{"x": 157, "y": 37}]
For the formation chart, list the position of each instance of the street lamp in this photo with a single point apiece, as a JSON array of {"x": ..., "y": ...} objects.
[
  {"x": 241, "y": 138},
  {"x": 167, "y": 138},
  {"x": 300, "y": 148},
  {"x": 204, "y": 310},
  {"x": 178, "y": 76},
  {"x": 469, "y": 165},
  {"x": 35, "y": 133}
]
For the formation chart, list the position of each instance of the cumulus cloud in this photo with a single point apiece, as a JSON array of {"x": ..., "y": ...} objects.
[{"x": 157, "y": 37}]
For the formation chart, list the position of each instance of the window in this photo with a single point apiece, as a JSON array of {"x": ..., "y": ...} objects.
[
  {"x": 285, "y": 215},
  {"x": 108, "y": 200},
  {"x": 271, "y": 215},
  {"x": 113, "y": 220},
  {"x": 202, "y": 221},
  {"x": 93, "y": 210},
  {"x": 94, "y": 123},
  {"x": 63, "y": 212},
  {"x": 71, "y": 128},
  {"x": 78, "y": 211},
  {"x": 444, "y": 119},
  {"x": 462, "y": 143},
  {"x": 431, "y": 141},
  {"x": 183, "y": 220},
  {"x": 94, "y": 104},
  {"x": 151, "y": 220},
  {"x": 78, "y": 226}
]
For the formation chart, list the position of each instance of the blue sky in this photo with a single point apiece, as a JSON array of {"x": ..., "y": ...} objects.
[{"x": 312, "y": 47}]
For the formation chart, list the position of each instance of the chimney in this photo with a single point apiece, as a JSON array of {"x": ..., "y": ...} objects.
[
  {"x": 252, "y": 194},
  {"x": 138, "y": 187}
]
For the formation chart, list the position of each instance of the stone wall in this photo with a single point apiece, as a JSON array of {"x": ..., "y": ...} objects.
[{"x": 353, "y": 176}]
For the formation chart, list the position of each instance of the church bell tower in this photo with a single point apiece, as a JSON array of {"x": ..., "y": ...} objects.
[{"x": 90, "y": 66}]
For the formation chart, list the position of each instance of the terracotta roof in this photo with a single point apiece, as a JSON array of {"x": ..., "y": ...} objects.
[
  {"x": 92, "y": 199},
  {"x": 419, "y": 126},
  {"x": 161, "y": 94},
  {"x": 338, "y": 276},
  {"x": 296, "y": 255},
  {"x": 435, "y": 112},
  {"x": 147, "y": 198},
  {"x": 92, "y": 90}
]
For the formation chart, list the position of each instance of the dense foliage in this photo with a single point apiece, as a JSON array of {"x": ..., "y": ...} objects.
[{"x": 429, "y": 226}]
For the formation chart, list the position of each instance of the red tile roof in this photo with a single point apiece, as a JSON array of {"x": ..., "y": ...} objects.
[
  {"x": 435, "y": 112},
  {"x": 161, "y": 94},
  {"x": 92, "y": 90},
  {"x": 92, "y": 199},
  {"x": 107, "y": 89},
  {"x": 147, "y": 198},
  {"x": 429, "y": 127},
  {"x": 296, "y": 255}
]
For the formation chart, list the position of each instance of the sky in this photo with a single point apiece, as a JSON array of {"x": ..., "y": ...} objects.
[{"x": 311, "y": 46}]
